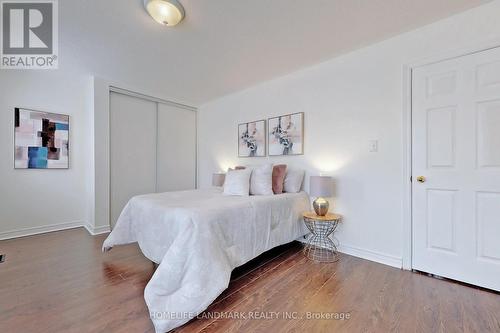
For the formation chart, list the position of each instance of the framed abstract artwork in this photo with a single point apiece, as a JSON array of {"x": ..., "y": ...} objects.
[
  {"x": 286, "y": 135},
  {"x": 41, "y": 140},
  {"x": 252, "y": 139}
]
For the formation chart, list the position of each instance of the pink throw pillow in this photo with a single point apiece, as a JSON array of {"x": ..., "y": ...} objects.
[{"x": 279, "y": 173}]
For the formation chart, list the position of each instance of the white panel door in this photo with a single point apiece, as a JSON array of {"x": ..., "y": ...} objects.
[
  {"x": 133, "y": 150},
  {"x": 176, "y": 148},
  {"x": 456, "y": 147}
]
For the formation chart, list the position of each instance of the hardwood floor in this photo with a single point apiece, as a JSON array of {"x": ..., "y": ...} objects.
[{"x": 61, "y": 282}]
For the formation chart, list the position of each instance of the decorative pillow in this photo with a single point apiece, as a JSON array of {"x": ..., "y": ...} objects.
[
  {"x": 237, "y": 182},
  {"x": 279, "y": 173},
  {"x": 293, "y": 181},
  {"x": 261, "y": 181}
]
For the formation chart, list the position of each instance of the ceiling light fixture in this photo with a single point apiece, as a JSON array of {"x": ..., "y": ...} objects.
[{"x": 166, "y": 12}]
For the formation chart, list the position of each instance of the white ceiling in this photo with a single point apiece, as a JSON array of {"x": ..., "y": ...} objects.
[{"x": 224, "y": 46}]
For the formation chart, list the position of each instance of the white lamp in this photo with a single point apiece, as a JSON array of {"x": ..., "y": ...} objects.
[
  {"x": 166, "y": 12},
  {"x": 218, "y": 179},
  {"x": 320, "y": 187}
]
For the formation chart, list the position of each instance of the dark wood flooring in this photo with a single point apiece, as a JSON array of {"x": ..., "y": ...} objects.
[{"x": 61, "y": 282}]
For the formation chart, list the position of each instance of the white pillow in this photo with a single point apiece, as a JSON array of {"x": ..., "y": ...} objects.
[
  {"x": 261, "y": 180},
  {"x": 237, "y": 182},
  {"x": 293, "y": 181}
]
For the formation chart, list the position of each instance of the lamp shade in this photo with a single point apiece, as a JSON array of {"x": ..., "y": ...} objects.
[
  {"x": 218, "y": 179},
  {"x": 320, "y": 186}
]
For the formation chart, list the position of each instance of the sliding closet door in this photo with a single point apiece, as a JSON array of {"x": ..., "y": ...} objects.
[
  {"x": 133, "y": 150},
  {"x": 176, "y": 148}
]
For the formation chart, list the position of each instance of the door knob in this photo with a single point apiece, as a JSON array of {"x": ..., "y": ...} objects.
[{"x": 421, "y": 179}]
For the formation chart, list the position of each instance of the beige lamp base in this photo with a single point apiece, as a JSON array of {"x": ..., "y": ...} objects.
[{"x": 321, "y": 206}]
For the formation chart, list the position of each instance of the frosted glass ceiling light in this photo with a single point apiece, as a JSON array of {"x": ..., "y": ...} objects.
[{"x": 166, "y": 12}]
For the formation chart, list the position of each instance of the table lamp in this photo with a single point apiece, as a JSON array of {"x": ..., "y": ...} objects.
[
  {"x": 321, "y": 187},
  {"x": 218, "y": 179}
]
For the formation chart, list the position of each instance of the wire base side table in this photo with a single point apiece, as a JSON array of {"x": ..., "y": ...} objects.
[{"x": 321, "y": 245}]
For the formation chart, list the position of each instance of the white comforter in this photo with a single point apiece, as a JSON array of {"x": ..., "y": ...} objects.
[{"x": 198, "y": 237}]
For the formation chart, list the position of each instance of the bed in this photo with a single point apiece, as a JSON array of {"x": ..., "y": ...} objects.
[{"x": 198, "y": 237}]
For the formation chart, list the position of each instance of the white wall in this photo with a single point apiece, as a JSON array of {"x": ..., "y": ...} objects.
[
  {"x": 35, "y": 201},
  {"x": 347, "y": 102},
  {"x": 40, "y": 200}
]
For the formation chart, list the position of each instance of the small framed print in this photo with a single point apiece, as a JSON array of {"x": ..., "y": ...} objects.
[
  {"x": 41, "y": 140},
  {"x": 286, "y": 135},
  {"x": 252, "y": 139}
]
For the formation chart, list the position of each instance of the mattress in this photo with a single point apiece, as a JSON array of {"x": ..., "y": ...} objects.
[{"x": 198, "y": 237}]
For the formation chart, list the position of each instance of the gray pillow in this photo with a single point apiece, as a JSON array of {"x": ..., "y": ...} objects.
[{"x": 293, "y": 180}]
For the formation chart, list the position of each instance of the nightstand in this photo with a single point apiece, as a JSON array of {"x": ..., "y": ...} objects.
[{"x": 320, "y": 247}]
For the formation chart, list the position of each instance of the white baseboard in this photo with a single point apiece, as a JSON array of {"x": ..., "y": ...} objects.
[
  {"x": 40, "y": 230},
  {"x": 375, "y": 256},
  {"x": 53, "y": 227},
  {"x": 97, "y": 230}
]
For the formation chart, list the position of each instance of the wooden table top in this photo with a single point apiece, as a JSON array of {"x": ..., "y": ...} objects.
[{"x": 326, "y": 218}]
